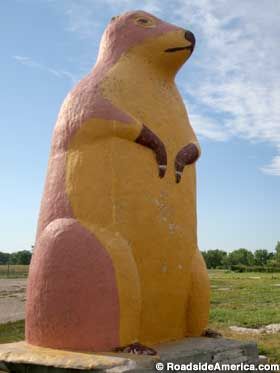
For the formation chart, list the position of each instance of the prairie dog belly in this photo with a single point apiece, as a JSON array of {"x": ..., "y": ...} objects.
[{"x": 113, "y": 184}]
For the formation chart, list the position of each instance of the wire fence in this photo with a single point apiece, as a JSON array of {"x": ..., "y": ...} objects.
[{"x": 13, "y": 271}]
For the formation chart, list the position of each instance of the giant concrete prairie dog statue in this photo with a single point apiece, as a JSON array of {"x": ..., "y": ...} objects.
[{"x": 116, "y": 261}]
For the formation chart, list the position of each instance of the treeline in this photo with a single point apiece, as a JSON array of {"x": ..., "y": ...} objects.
[
  {"x": 238, "y": 260},
  {"x": 20, "y": 257},
  {"x": 244, "y": 260}
]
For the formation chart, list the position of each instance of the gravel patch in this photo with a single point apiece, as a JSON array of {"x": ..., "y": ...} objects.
[
  {"x": 268, "y": 329},
  {"x": 12, "y": 299}
]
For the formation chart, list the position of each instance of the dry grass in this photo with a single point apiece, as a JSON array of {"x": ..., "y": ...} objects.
[{"x": 13, "y": 271}]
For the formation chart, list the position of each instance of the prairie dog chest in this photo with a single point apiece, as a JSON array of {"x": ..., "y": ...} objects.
[{"x": 152, "y": 100}]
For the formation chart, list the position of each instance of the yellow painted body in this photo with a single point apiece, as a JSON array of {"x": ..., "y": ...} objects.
[{"x": 147, "y": 224}]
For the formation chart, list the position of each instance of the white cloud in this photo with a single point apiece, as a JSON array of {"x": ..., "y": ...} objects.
[
  {"x": 27, "y": 61},
  {"x": 207, "y": 128},
  {"x": 274, "y": 167},
  {"x": 237, "y": 69}
]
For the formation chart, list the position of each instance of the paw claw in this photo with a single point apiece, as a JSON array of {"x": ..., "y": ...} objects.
[
  {"x": 161, "y": 170},
  {"x": 178, "y": 176},
  {"x": 210, "y": 333},
  {"x": 137, "y": 349}
]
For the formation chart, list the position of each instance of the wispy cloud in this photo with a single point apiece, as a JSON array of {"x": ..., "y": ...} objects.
[
  {"x": 62, "y": 74},
  {"x": 273, "y": 168},
  {"x": 153, "y": 6},
  {"x": 87, "y": 17},
  {"x": 207, "y": 128},
  {"x": 237, "y": 70},
  {"x": 82, "y": 19}
]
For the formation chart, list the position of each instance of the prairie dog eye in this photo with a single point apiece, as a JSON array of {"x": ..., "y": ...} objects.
[{"x": 145, "y": 22}]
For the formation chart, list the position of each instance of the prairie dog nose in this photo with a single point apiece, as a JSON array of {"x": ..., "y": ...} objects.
[{"x": 190, "y": 37}]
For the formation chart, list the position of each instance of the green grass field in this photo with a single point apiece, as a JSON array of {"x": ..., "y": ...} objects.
[
  {"x": 249, "y": 300},
  {"x": 12, "y": 332},
  {"x": 242, "y": 299}
]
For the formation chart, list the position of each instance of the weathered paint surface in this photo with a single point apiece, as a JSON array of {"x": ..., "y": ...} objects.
[
  {"x": 22, "y": 353},
  {"x": 116, "y": 258}
]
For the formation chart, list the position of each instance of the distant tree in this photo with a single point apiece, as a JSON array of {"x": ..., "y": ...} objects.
[
  {"x": 261, "y": 257},
  {"x": 204, "y": 254},
  {"x": 4, "y": 258},
  {"x": 21, "y": 257},
  {"x": 277, "y": 252},
  {"x": 13, "y": 258},
  {"x": 240, "y": 256},
  {"x": 214, "y": 258}
]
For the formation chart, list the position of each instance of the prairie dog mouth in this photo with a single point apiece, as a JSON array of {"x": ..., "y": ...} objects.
[{"x": 176, "y": 49}]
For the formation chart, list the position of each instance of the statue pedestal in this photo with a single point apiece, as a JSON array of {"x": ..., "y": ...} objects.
[{"x": 23, "y": 358}]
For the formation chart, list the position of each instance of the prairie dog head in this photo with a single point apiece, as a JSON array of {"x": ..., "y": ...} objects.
[{"x": 142, "y": 35}]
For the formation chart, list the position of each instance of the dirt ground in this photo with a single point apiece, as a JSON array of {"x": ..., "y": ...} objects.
[{"x": 12, "y": 299}]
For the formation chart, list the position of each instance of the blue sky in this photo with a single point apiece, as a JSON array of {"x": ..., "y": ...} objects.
[{"x": 230, "y": 86}]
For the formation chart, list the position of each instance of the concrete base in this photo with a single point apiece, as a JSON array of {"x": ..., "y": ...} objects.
[{"x": 23, "y": 358}]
